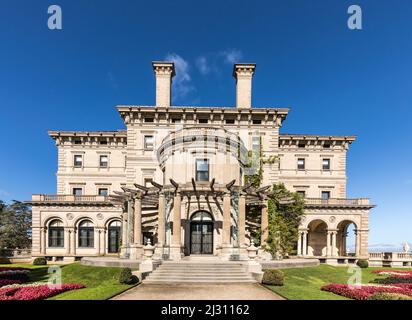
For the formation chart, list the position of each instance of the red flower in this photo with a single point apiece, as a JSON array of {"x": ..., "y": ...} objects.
[
  {"x": 365, "y": 291},
  {"x": 36, "y": 292}
]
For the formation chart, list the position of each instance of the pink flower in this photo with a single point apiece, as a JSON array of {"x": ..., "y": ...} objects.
[
  {"x": 36, "y": 292},
  {"x": 365, "y": 291}
]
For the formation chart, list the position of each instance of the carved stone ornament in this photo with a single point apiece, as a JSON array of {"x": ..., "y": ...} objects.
[
  {"x": 332, "y": 219},
  {"x": 70, "y": 216},
  {"x": 99, "y": 216}
]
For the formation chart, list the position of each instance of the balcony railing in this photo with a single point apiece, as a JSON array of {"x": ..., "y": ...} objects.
[
  {"x": 67, "y": 198},
  {"x": 337, "y": 202}
]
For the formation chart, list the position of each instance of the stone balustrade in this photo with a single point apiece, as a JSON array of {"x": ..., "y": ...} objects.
[
  {"x": 390, "y": 259},
  {"x": 68, "y": 198},
  {"x": 337, "y": 202}
]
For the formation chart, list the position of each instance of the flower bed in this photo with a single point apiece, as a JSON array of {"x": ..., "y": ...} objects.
[
  {"x": 365, "y": 291},
  {"x": 394, "y": 276},
  {"x": 2, "y": 269},
  {"x": 39, "y": 292}
]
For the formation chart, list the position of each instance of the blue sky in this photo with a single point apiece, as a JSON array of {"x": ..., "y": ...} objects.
[{"x": 336, "y": 81}]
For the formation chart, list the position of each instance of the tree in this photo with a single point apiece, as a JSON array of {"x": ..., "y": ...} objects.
[
  {"x": 285, "y": 210},
  {"x": 15, "y": 225}
]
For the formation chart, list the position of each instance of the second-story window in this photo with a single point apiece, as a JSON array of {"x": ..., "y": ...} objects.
[
  {"x": 148, "y": 143},
  {"x": 301, "y": 193},
  {"x": 326, "y": 164},
  {"x": 202, "y": 170},
  {"x": 77, "y": 191},
  {"x": 325, "y": 195},
  {"x": 78, "y": 161},
  {"x": 104, "y": 161},
  {"x": 301, "y": 164},
  {"x": 148, "y": 182},
  {"x": 103, "y": 192}
]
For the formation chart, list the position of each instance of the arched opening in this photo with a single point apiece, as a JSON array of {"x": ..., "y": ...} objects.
[
  {"x": 86, "y": 234},
  {"x": 56, "y": 234},
  {"x": 201, "y": 233},
  {"x": 113, "y": 236},
  {"x": 317, "y": 238},
  {"x": 346, "y": 238}
]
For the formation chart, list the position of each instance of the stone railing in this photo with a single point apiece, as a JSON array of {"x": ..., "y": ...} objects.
[
  {"x": 337, "y": 202},
  {"x": 390, "y": 259},
  {"x": 67, "y": 198},
  {"x": 15, "y": 253}
]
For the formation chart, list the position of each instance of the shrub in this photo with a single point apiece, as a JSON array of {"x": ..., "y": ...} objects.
[
  {"x": 126, "y": 277},
  {"x": 273, "y": 277},
  {"x": 363, "y": 263},
  {"x": 389, "y": 296},
  {"x": 39, "y": 261}
]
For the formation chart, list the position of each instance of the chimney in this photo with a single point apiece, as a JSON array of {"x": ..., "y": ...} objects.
[
  {"x": 243, "y": 73},
  {"x": 164, "y": 72}
]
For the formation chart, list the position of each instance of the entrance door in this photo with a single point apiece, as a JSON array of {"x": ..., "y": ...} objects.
[
  {"x": 201, "y": 237},
  {"x": 113, "y": 237}
]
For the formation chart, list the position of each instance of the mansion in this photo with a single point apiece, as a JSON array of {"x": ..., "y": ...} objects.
[{"x": 175, "y": 178}]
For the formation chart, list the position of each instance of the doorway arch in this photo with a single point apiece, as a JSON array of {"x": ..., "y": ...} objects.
[{"x": 201, "y": 233}]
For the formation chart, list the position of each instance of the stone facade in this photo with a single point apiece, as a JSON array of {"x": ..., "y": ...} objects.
[{"x": 176, "y": 175}]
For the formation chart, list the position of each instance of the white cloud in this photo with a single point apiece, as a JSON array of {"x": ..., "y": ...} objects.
[
  {"x": 203, "y": 65},
  {"x": 232, "y": 55},
  {"x": 182, "y": 82}
]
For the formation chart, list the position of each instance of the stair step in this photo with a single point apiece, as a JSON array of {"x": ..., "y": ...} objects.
[{"x": 197, "y": 282}]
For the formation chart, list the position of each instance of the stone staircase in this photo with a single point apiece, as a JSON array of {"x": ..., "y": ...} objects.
[{"x": 199, "y": 272}]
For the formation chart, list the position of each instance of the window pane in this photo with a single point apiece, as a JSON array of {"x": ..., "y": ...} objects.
[
  {"x": 77, "y": 191},
  {"x": 148, "y": 142},
  {"x": 103, "y": 192},
  {"x": 104, "y": 161},
  {"x": 78, "y": 161},
  {"x": 202, "y": 170},
  {"x": 325, "y": 195}
]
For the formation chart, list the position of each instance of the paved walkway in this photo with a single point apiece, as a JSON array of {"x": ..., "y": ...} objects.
[{"x": 249, "y": 291}]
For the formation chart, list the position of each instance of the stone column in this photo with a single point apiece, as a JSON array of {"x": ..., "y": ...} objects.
[
  {"x": 97, "y": 239},
  {"x": 161, "y": 220},
  {"x": 357, "y": 243},
  {"x": 175, "y": 248},
  {"x": 333, "y": 251},
  {"x": 73, "y": 241},
  {"x": 264, "y": 225},
  {"x": 242, "y": 220},
  {"x": 305, "y": 243},
  {"x": 300, "y": 243},
  {"x": 103, "y": 242},
  {"x": 226, "y": 221},
  {"x": 328, "y": 246},
  {"x": 42, "y": 240},
  {"x": 137, "y": 221},
  {"x": 124, "y": 235},
  {"x": 67, "y": 240}
]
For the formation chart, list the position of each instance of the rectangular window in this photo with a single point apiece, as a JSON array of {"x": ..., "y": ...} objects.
[
  {"x": 78, "y": 161},
  {"x": 175, "y": 120},
  {"x": 148, "y": 143},
  {"x": 56, "y": 237},
  {"x": 301, "y": 164},
  {"x": 202, "y": 170},
  {"x": 326, "y": 164},
  {"x": 202, "y": 120},
  {"x": 77, "y": 141},
  {"x": 148, "y": 120},
  {"x": 230, "y": 121},
  {"x": 147, "y": 182},
  {"x": 77, "y": 191},
  {"x": 302, "y": 193},
  {"x": 257, "y": 121},
  {"x": 104, "y": 161},
  {"x": 301, "y": 145},
  {"x": 103, "y": 192},
  {"x": 325, "y": 195},
  {"x": 326, "y": 145}
]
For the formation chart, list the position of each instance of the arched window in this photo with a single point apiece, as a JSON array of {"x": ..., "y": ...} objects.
[
  {"x": 56, "y": 234},
  {"x": 86, "y": 234}
]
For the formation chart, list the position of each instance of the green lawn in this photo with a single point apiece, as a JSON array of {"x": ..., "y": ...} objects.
[
  {"x": 305, "y": 283},
  {"x": 101, "y": 282}
]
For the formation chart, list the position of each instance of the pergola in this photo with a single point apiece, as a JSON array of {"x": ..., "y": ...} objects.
[{"x": 133, "y": 199}]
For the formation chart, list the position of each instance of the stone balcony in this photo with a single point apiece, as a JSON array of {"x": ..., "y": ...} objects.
[
  {"x": 203, "y": 137},
  {"x": 338, "y": 203},
  {"x": 49, "y": 199}
]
